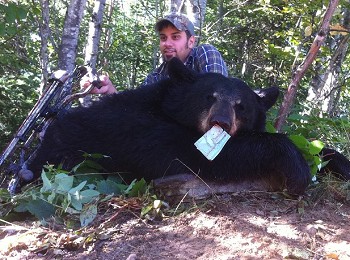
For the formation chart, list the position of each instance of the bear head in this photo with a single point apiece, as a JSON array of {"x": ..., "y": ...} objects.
[{"x": 202, "y": 100}]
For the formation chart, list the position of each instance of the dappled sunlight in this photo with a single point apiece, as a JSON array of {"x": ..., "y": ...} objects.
[
  {"x": 339, "y": 249},
  {"x": 19, "y": 238},
  {"x": 248, "y": 226}
]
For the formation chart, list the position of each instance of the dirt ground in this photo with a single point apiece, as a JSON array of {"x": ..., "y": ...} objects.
[{"x": 246, "y": 225}]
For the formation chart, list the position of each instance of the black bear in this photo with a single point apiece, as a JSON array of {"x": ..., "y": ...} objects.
[{"x": 150, "y": 132}]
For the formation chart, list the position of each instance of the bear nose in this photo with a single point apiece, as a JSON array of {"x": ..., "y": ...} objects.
[{"x": 222, "y": 121}]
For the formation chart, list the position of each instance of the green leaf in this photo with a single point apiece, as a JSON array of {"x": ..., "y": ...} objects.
[
  {"x": 10, "y": 16},
  {"x": 86, "y": 196},
  {"x": 87, "y": 166},
  {"x": 36, "y": 11},
  {"x": 76, "y": 201},
  {"x": 300, "y": 141},
  {"x": 108, "y": 187},
  {"x": 88, "y": 215},
  {"x": 316, "y": 146},
  {"x": 11, "y": 30},
  {"x": 21, "y": 13},
  {"x": 270, "y": 128},
  {"x": 40, "y": 209},
  {"x": 146, "y": 210},
  {"x": 2, "y": 29},
  {"x": 313, "y": 169},
  {"x": 4, "y": 195},
  {"x": 77, "y": 188},
  {"x": 51, "y": 197},
  {"x": 129, "y": 188},
  {"x": 138, "y": 188},
  {"x": 47, "y": 186},
  {"x": 21, "y": 207},
  {"x": 318, "y": 163},
  {"x": 64, "y": 182}
]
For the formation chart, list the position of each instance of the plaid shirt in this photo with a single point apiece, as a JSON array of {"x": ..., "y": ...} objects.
[{"x": 203, "y": 58}]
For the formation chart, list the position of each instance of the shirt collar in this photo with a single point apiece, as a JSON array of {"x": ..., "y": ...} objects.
[{"x": 190, "y": 58}]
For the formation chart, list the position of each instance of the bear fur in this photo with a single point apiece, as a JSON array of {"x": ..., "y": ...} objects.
[{"x": 150, "y": 132}]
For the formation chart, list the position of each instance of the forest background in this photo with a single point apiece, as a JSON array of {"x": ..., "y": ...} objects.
[{"x": 263, "y": 42}]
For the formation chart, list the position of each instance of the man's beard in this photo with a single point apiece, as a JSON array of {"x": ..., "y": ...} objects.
[{"x": 167, "y": 58}]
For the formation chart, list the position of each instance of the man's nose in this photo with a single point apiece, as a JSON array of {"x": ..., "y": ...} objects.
[{"x": 167, "y": 43}]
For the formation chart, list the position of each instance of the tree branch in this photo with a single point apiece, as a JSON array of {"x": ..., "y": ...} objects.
[{"x": 289, "y": 96}]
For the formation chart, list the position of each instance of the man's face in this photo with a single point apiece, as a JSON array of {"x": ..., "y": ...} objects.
[{"x": 174, "y": 43}]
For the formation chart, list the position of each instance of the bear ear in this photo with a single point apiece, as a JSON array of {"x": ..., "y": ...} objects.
[
  {"x": 179, "y": 72},
  {"x": 268, "y": 96}
]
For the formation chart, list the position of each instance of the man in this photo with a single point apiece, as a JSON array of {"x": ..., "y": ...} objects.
[{"x": 176, "y": 39}]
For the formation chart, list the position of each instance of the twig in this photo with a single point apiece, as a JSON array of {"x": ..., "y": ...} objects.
[{"x": 13, "y": 225}]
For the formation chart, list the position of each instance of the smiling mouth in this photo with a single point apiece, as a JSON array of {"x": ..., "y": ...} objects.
[{"x": 169, "y": 52}]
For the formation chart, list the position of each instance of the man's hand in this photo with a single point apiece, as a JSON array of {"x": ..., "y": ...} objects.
[{"x": 106, "y": 85}]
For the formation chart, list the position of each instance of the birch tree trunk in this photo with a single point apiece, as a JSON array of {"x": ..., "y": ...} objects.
[
  {"x": 93, "y": 40},
  {"x": 194, "y": 9},
  {"x": 44, "y": 31},
  {"x": 68, "y": 48},
  {"x": 108, "y": 30}
]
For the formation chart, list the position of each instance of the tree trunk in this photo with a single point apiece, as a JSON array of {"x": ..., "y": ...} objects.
[
  {"x": 108, "y": 30},
  {"x": 93, "y": 40},
  {"x": 95, "y": 27},
  {"x": 68, "y": 48},
  {"x": 194, "y": 9},
  {"x": 44, "y": 31}
]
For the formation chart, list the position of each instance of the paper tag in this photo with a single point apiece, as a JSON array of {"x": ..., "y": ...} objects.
[{"x": 212, "y": 142}]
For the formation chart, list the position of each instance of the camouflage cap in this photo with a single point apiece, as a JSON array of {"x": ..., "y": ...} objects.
[{"x": 180, "y": 21}]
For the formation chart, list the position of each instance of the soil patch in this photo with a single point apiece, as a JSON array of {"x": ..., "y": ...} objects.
[{"x": 246, "y": 225}]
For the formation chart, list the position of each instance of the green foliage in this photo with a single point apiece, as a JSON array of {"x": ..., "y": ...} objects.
[
  {"x": 70, "y": 196},
  {"x": 39, "y": 208},
  {"x": 18, "y": 49},
  {"x": 16, "y": 100},
  {"x": 19, "y": 66},
  {"x": 332, "y": 131},
  {"x": 310, "y": 151},
  {"x": 134, "y": 41},
  {"x": 10, "y": 14},
  {"x": 260, "y": 38}
]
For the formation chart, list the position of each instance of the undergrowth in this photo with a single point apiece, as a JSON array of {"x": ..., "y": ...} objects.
[{"x": 73, "y": 199}]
